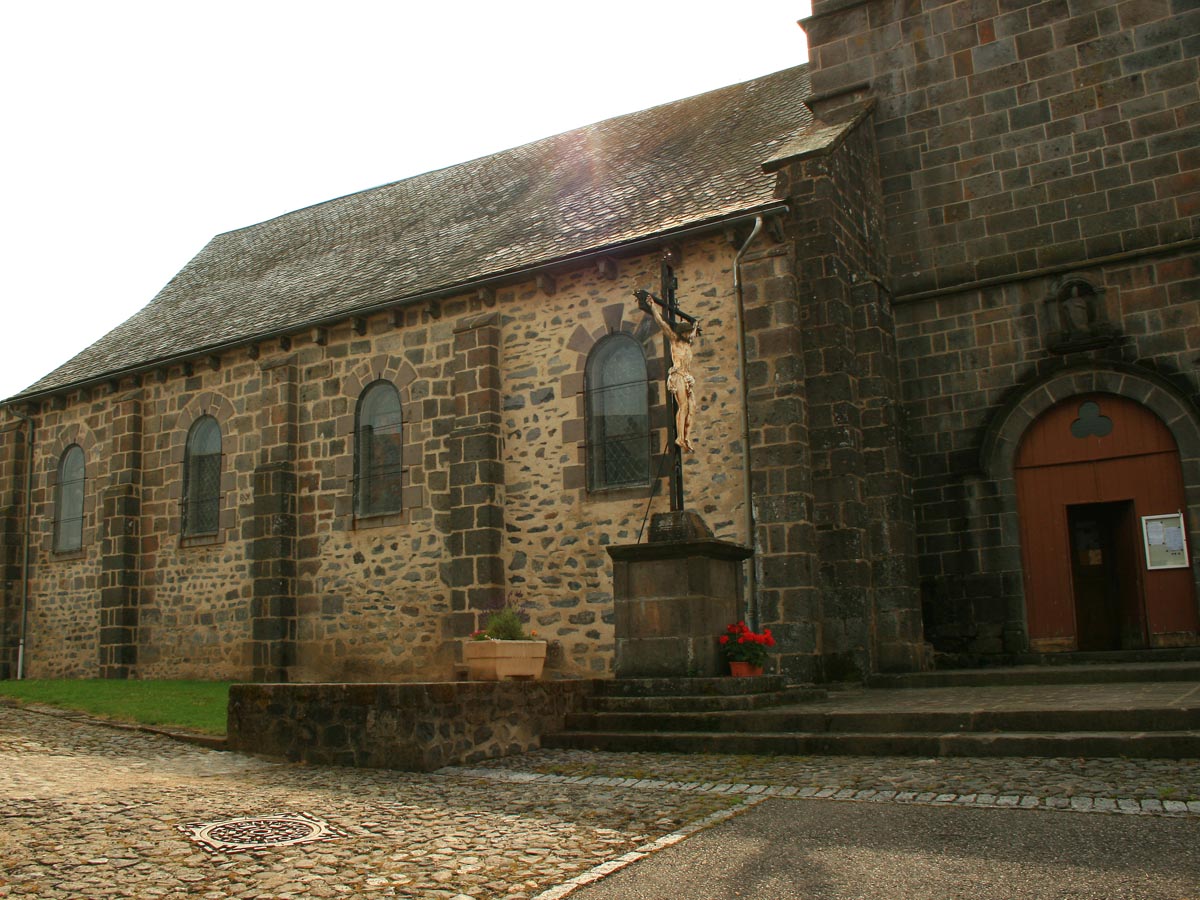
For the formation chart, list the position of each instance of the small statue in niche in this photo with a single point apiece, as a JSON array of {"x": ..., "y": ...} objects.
[
  {"x": 1074, "y": 308},
  {"x": 1077, "y": 319},
  {"x": 681, "y": 384}
]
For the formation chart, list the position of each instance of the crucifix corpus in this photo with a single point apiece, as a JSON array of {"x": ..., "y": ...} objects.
[
  {"x": 681, "y": 337},
  {"x": 681, "y": 340}
]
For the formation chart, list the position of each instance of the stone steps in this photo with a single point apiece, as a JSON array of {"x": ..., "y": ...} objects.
[
  {"x": 666, "y": 705},
  {"x": 1164, "y": 744},
  {"x": 807, "y": 720},
  {"x": 691, "y": 687},
  {"x": 1108, "y": 709},
  {"x": 1110, "y": 657},
  {"x": 1086, "y": 673}
]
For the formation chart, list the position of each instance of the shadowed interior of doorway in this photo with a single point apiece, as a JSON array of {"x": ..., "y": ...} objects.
[{"x": 1109, "y": 613}]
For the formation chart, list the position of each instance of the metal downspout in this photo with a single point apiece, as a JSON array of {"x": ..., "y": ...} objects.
[
  {"x": 747, "y": 489},
  {"x": 26, "y": 527}
]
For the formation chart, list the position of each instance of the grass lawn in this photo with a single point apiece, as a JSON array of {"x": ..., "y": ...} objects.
[{"x": 192, "y": 705}]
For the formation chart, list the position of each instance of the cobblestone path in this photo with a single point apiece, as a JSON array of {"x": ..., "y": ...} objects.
[
  {"x": 1155, "y": 786},
  {"x": 93, "y": 812}
]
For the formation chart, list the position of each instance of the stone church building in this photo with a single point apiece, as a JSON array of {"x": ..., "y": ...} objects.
[{"x": 947, "y": 276}]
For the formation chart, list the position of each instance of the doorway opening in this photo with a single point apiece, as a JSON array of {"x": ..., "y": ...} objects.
[{"x": 1105, "y": 576}]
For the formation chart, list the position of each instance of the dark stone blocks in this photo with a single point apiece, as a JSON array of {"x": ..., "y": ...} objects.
[
  {"x": 273, "y": 619},
  {"x": 672, "y": 600},
  {"x": 415, "y": 727},
  {"x": 119, "y": 594},
  {"x": 271, "y": 630},
  {"x": 476, "y": 520},
  {"x": 459, "y": 572}
]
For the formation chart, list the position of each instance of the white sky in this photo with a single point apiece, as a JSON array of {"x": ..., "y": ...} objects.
[{"x": 135, "y": 131}]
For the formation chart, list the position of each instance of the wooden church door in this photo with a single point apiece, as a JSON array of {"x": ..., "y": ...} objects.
[{"x": 1086, "y": 472}]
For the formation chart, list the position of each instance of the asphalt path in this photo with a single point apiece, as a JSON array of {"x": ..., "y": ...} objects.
[{"x": 790, "y": 849}]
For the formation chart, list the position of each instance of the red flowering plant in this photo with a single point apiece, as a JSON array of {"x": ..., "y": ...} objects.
[{"x": 740, "y": 644}]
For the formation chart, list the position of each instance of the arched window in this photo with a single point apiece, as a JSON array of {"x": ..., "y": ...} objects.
[
  {"x": 202, "y": 478},
  {"x": 618, "y": 450},
  {"x": 68, "y": 500},
  {"x": 379, "y": 445}
]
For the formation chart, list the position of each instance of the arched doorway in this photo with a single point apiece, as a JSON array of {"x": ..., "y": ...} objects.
[{"x": 1087, "y": 471}]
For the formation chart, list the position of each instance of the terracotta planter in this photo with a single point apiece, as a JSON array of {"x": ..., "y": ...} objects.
[
  {"x": 739, "y": 669},
  {"x": 497, "y": 660}
]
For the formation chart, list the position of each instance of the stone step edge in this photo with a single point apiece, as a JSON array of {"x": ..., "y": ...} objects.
[
  {"x": 1125, "y": 805},
  {"x": 656, "y": 719},
  {"x": 783, "y": 697},
  {"x": 692, "y": 687},
  {"x": 789, "y": 689},
  {"x": 958, "y": 736},
  {"x": 1174, "y": 745},
  {"x": 1187, "y": 672}
]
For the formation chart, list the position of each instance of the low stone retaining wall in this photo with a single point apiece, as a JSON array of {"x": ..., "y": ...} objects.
[{"x": 417, "y": 727}]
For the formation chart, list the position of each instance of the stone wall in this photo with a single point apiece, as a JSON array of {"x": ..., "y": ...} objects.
[
  {"x": 556, "y": 529},
  {"x": 13, "y": 453},
  {"x": 835, "y": 516},
  {"x": 965, "y": 357},
  {"x": 1014, "y": 137},
  {"x": 785, "y": 562},
  {"x": 416, "y": 727},
  {"x": 295, "y": 584},
  {"x": 374, "y": 592},
  {"x": 1023, "y": 149},
  {"x": 994, "y": 193},
  {"x": 196, "y": 591},
  {"x": 63, "y": 633}
]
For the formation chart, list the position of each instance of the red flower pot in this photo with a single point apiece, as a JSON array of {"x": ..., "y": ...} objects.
[{"x": 739, "y": 669}]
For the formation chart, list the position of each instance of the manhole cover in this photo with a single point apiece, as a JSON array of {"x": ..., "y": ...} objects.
[{"x": 260, "y": 831}]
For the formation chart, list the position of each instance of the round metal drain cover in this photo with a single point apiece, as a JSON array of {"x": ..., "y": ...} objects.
[{"x": 260, "y": 831}]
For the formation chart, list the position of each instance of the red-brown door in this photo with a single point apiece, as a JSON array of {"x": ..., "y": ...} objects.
[{"x": 1087, "y": 471}]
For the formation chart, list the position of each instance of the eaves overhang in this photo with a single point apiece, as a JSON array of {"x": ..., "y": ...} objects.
[{"x": 629, "y": 247}]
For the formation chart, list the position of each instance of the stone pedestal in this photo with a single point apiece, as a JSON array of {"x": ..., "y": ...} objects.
[{"x": 673, "y": 599}]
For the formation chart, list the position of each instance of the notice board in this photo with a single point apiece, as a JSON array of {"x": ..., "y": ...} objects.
[{"x": 1165, "y": 541}]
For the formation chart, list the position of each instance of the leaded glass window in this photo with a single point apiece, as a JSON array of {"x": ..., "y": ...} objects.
[
  {"x": 68, "y": 501},
  {"x": 379, "y": 448},
  {"x": 202, "y": 478},
  {"x": 618, "y": 450}
]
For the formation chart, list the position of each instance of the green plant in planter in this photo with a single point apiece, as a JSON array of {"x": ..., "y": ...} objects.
[
  {"x": 505, "y": 624},
  {"x": 502, "y": 649}
]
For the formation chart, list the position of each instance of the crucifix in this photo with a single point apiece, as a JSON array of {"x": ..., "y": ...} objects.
[{"x": 680, "y": 334}]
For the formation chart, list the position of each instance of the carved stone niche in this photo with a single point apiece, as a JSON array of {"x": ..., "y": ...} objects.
[{"x": 1077, "y": 318}]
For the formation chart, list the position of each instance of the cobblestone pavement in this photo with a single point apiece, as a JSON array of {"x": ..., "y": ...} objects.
[
  {"x": 1156, "y": 785},
  {"x": 93, "y": 812}
]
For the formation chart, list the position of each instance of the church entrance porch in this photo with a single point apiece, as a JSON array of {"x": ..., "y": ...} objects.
[{"x": 1088, "y": 471}]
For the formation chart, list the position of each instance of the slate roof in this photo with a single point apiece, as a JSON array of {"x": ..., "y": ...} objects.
[{"x": 637, "y": 175}]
